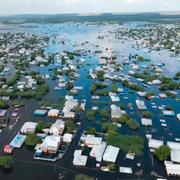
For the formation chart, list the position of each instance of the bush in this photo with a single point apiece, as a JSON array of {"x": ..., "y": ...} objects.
[
  {"x": 147, "y": 114},
  {"x": 31, "y": 140},
  {"x": 112, "y": 167},
  {"x": 90, "y": 114},
  {"x": 104, "y": 113},
  {"x": 132, "y": 124},
  {"x": 41, "y": 125},
  {"x": 162, "y": 152},
  {"x": 114, "y": 87},
  {"x": 100, "y": 75},
  {"x": 41, "y": 91},
  {"x": 6, "y": 161},
  {"x": 91, "y": 131},
  {"x": 69, "y": 126},
  {"x": 3, "y": 104},
  {"x": 69, "y": 85},
  {"x": 123, "y": 119},
  {"x": 107, "y": 127}
]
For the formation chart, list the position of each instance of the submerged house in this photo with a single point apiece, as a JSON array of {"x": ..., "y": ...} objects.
[
  {"x": 111, "y": 154},
  {"x": 116, "y": 111},
  {"x": 79, "y": 159},
  {"x": 91, "y": 140},
  {"x": 53, "y": 113},
  {"x": 51, "y": 144},
  {"x": 141, "y": 105},
  {"x": 154, "y": 143},
  {"x": 172, "y": 169},
  {"x": 29, "y": 127},
  {"x": 97, "y": 151},
  {"x": 69, "y": 107},
  {"x": 57, "y": 128}
]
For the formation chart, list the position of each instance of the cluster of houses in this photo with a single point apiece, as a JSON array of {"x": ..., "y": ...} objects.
[
  {"x": 51, "y": 139},
  {"x": 101, "y": 152},
  {"x": 68, "y": 110},
  {"x": 172, "y": 166}
]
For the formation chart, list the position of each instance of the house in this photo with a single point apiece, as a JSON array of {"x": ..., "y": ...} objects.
[
  {"x": 154, "y": 143},
  {"x": 178, "y": 116},
  {"x": 168, "y": 113},
  {"x": 111, "y": 154},
  {"x": 175, "y": 156},
  {"x": 53, "y": 113},
  {"x": 173, "y": 145},
  {"x": 91, "y": 140},
  {"x": 2, "y": 112},
  {"x": 126, "y": 170},
  {"x": 146, "y": 122},
  {"x": 67, "y": 138},
  {"x": 141, "y": 105},
  {"x": 40, "y": 112},
  {"x": 28, "y": 127},
  {"x": 79, "y": 159},
  {"x": 116, "y": 111},
  {"x": 69, "y": 106},
  {"x": 57, "y": 128},
  {"x": 172, "y": 169},
  {"x": 114, "y": 97},
  {"x": 51, "y": 144},
  {"x": 141, "y": 94},
  {"x": 97, "y": 151}
]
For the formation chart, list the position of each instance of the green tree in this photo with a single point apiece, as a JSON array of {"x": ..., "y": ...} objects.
[
  {"x": 31, "y": 140},
  {"x": 162, "y": 152},
  {"x": 69, "y": 126},
  {"x": 6, "y": 161},
  {"x": 90, "y": 115},
  {"x": 41, "y": 125},
  {"x": 91, "y": 131},
  {"x": 112, "y": 167},
  {"x": 3, "y": 104},
  {"x": 69, "y": 85}
]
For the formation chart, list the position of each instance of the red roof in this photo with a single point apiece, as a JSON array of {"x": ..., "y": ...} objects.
[{"x": 7, "y": 149}]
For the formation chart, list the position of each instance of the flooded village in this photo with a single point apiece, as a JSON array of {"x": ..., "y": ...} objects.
[{"x": 93, "y": 100}]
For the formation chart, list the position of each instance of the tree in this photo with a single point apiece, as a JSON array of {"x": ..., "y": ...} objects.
[
  {"x": 132, "y": 124},
  {"x": 41, "y": 125},
  {"x": 114, "y": 87},
  {"x": 112, "y": 167},
  {"x": 104, "y": 112},
  {"x": 147, "y": 114},
  {"x": 69, "y": 85},
  {"x": 69, "y": 126},
  {"x": 162, "y": 152},
  {"x": 3, "y": 104},
  {"x": 31, "y": 140},
  {"x": 90, "y": 115},
  {"x": 91, "y": 131},
  {"x": 6, "y": 161}
]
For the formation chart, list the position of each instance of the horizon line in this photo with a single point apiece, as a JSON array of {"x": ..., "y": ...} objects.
[{"x": 98, "y": 13}]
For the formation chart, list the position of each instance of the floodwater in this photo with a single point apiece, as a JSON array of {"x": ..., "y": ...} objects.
[{"x": 74, "y": 35}]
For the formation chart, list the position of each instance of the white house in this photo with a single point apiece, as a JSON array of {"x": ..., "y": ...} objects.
[
  {"x": 51, "y": 144},
  {"x": 29, "y": 127}
]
